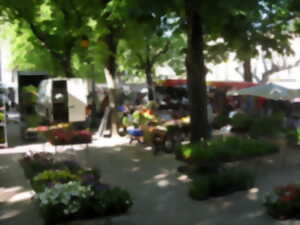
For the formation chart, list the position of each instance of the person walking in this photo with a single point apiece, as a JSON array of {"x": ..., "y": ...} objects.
[{"x": 210, "y": 118}]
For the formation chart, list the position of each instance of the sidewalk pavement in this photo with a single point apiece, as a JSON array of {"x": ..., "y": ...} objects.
[{"x": 160, "y": 193}]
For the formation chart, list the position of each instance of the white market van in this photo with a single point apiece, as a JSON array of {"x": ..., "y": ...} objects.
[{"x": 63, "y": 99}]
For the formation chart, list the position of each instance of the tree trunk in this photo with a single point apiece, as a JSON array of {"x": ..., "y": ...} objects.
[
  {"x": 247, "y": 70},
  {"x": 110, "y": 74},
  {"x": 196, "y": 74},
  {"x": 149, "y": 82},
  {"x": 66, "y": 59},
  {"x": 67, "y": 66}
]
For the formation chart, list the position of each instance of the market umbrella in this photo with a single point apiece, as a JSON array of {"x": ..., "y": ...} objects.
[{"x": 269, "y": 91}]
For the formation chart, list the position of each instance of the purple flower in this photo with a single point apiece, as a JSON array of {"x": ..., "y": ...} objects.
[{"x": 101, "y": 187}]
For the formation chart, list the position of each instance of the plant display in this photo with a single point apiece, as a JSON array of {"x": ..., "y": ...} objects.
[
  {"x": 267, "y": 126},
  {"x": 225, "y": 150},
  {"x": 241, "y": 122},
  {"x": 292, "y": 135},
  {"x": 34, "y": 164},
  {"x": 64, "y": 137},
  {"x": 30, "y": 95},
  {"x": 284, "y": 202},
  {"x": 63, "y": 200},
  {"x": 66, "y": 191},
  {"x": 143, "y": 117},
  {"x": 49, "y": 178},
  {"x": 1, "y": 116},
  {"x": 221, "y": 121},
  {"x": 226, "y": 182},
  {"x": 2, "y": 135},
  {"x": 32, "y": 120}
]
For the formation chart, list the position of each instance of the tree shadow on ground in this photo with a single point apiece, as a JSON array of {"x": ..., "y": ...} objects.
[
  {"x": 161, "y": 193},
  {"x": 16, "y": 207}
]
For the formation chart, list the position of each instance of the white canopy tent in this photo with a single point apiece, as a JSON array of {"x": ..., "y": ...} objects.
[{"x": 269, "y": 91}]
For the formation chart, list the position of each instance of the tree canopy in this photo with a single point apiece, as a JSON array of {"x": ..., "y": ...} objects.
[
  {"x": 58, "y": 36},
  {"x": 74, "y": 36}
]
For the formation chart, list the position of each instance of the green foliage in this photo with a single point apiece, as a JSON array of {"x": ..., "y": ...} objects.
[
  {"x": 63, "y": 201},
  {"x": 221, "y": 121},
  {"x": 51, "y": 177},
  {"x": 37, "y": 163},
  {"x": 73, "y": 200},
  {"x": 66, "y": 191},
  {"x": 241, "y": 122},
  {"x": 267, "y": 126},
  {"x": 112, "y": 201},
  {"x": 2, "y": 135},
  {"x": 46, "y": 36},
  {"x": 292, "y": 135},
  {"x": 29, "y": 94},
  {"x": 220, "y": 184},
  {"x": 1, "y": 116},
  {"x": 283, "y": 202},
  {"x": 32, "y": 120},
  {"x": 148, "y": 47},
  {"x": 224, "y": 150}
]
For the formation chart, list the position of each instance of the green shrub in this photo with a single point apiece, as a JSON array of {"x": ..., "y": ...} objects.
[
  {"x": 51, "y": 177},
  {"x": 292, "y": 135},
  {"x": 63, "y": 201},
  {"x": 283, "y": 202},
  {"x": 2, "y": 135},
  {"x": 73, "y": 200},
  {"x": 267, "y": 126},
  {"x": 112, "y": 201},
  {"x": 36, "y": 163},
  {"x": 220, "y": 184},
  {"x": 241, "y": 122},
  {"x": 66, "y": 191},
  {"x": 225, "y": 149},
  {"x": 32, "y": 120},
  {"x": 200, "y": 189},
  {"x": 221, "y": 121},
  {"x": 1, "y": 116}
]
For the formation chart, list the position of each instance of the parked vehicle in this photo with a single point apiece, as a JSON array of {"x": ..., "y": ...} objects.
[{"x": 63, "y": 99}]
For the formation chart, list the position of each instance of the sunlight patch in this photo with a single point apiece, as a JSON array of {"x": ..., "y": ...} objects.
[
  {"x": 253, "y": 190},
  {"x": 163, "y": 183},
  {"x": 21, "y": 196},
  {"x": 10, "y": 214},
  {"x": 183, "y": 178},
  {"x": 136, "y": 160},
  {"x": 135, "y": 169},
  {"x": 160, "y": 176}
]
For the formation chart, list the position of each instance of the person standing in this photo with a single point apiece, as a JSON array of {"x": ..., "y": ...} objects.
[
  {"x": 210, "y": 118},
  {"x": 11, "y": 96}
]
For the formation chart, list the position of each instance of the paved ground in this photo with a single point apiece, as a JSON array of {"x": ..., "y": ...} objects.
[{"x": 160, "y": 192}]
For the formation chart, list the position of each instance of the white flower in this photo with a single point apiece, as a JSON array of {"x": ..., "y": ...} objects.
[{"x": 63, "y": 193}]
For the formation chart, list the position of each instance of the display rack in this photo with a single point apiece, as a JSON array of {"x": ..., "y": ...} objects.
[{"x": 3, "y": 123}]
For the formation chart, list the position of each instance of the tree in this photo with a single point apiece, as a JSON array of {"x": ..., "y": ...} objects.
[
  {"x": 142, "y": 50},
  {"x": 78, "y": 37},
  {"x": 202, "y": 26},
  {"x": 264, "y": 30},
  {"x": 59, "y": 28}
]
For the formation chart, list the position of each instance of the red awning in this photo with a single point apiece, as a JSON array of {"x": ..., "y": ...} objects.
[
  {"x": 226, "y": 84},
  {"x": 232, "y": 85},
  {"x": 173, "y": 83}
]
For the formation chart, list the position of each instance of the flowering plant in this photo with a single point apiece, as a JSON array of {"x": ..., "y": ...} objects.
[
  {"x": 34, "y": 163},
  {"x": 67, "y": 191},
  {"x": 70, "y": 195},
  {"x": 63, "y": 137},
  {"x": 49, "y": 178},
  {"x": 284, "y": 202}
]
